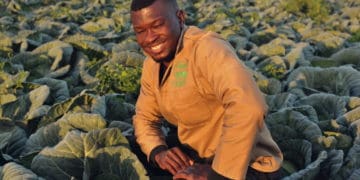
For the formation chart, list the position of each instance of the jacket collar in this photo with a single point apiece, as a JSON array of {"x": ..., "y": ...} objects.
[{"x": 181, "y": 39}]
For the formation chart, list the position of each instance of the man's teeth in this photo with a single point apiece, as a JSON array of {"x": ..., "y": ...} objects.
[{"x": 157, "y": 47}]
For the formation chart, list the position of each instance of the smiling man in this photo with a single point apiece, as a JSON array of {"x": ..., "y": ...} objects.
[{"x": 194, "y": 80}]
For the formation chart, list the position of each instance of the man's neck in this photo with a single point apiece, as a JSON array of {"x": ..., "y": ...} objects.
[{"x": 165, "y": 64}]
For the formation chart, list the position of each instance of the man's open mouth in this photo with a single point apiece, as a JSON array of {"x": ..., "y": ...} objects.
[{"x": 157, "y": 48}]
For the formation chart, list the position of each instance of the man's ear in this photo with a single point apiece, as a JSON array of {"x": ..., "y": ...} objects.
[{"x": 181, "y": 16}]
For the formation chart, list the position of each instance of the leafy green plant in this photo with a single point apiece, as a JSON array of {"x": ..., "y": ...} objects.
[
  {"x": 70, "y": 73},
  {"x": 318, "y": 10},
  {"x": 274, "y": 70},
  {"x": 6, "y": 52},
  {"x": 118, "y": 78},
  {"x": 355, "y": 37}
]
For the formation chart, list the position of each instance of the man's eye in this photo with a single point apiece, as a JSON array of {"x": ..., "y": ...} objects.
[
  {"x": 140, "y": 31},
  {"x": 158, "y": 25}
]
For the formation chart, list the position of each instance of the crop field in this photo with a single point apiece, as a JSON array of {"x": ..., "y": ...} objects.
[{"x": 69, "y": 79}]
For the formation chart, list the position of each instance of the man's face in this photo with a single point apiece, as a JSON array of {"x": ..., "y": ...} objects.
[{"x": 157, "y": 28}]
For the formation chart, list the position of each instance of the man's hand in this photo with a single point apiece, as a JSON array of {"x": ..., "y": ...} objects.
[
  {"x": 173, "y": 160},
  {"x": 194, "y": 172}
]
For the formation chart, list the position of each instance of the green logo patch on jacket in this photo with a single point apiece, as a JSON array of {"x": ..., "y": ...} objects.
[{"x": 180, "y": 73}]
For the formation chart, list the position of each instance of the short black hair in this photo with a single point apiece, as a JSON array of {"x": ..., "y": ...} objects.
[{"x": 140, "y": 4}]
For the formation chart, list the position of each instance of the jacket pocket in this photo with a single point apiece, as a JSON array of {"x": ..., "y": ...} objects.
[{"x": 190, "y": 108}]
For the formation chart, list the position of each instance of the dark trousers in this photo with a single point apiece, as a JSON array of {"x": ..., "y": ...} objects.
[{"x": 172, "y": 140}]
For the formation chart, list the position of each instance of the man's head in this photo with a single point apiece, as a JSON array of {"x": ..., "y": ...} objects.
[{"x": 157, "y": 25}]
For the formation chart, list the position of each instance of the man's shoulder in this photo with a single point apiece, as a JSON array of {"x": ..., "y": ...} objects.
[
  {"x": 205, "y": 41},
  {"x": 149, "y": 62},
  {"x": 196, "y": 34}
]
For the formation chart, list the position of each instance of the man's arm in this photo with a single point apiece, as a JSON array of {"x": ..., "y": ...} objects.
[
  {"x": 244, "y": 105},
  {"x": 146, "y": 121},
  {"x": 147, "y": 125}
]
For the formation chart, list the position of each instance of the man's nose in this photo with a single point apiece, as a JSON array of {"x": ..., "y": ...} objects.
[{"x": 151, "y": 36}]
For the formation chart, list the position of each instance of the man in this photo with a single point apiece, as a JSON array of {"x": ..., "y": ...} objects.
[{"x": 194, "y": 80}]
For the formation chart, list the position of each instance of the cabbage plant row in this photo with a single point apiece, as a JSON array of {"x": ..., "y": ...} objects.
[{"x": 69, "y": 78}]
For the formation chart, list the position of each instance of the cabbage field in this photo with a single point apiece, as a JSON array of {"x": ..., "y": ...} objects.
[{"x": 69, "y": 78}]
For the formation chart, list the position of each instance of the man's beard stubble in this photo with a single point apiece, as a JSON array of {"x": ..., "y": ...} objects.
[{"x": 168, "y": 58}]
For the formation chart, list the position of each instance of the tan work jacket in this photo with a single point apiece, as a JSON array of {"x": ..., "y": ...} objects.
[{"x": 211, "y": 97}]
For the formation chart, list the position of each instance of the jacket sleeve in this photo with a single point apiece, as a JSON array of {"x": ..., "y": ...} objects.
[
  {"x": 146, "y": 121},
  {"x": 244, "y": 105}
]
